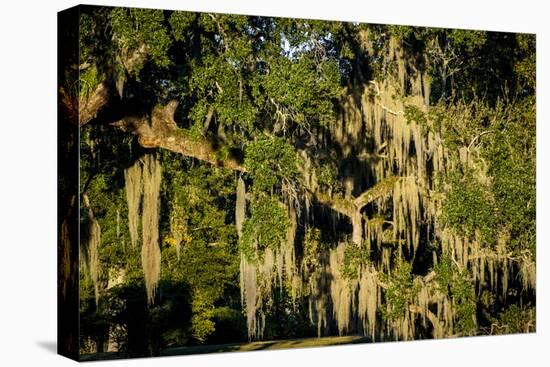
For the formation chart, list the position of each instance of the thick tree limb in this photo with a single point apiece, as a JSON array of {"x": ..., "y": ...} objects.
[
  {"x": 90, "y": 106},
  {"x": 381, "y": 189},
  {"x": 159, "y": 130},
  {"x": 82, "y": 109},
  {"x": 337, "y": 203}
]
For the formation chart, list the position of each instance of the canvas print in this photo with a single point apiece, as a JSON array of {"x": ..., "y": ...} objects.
[{"x": 240, "y": 182}]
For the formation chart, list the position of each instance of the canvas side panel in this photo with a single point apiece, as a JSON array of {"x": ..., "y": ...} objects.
[{"x": 67, "y": 186}]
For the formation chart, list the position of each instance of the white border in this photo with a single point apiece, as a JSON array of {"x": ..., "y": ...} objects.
[{"x": 28, "y": 181}]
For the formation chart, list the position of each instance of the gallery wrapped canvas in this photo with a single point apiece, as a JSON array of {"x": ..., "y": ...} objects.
[{"x": 238, "y": 182}]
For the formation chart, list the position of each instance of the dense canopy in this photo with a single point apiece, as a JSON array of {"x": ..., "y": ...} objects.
[{"x": 255, "y": 178}]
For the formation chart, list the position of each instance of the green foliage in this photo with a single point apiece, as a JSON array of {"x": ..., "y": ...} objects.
[
  {"x": 505, "y": 137},
  {"x": 89, "y": 80},
  {"x": 270, "y": 160},
  {"x": 219, "y": 86},
  {"x": 327, "y": 174},
  {"x": 456, "y": 284},
  {"x": 249, "y": 77},
  {"x": 208, "y": 263},
  {"x": 459, "y": 123},
  {"x": 201, "y": 322},
  {"x": 415, "y": 114},
  {"x": 525, "y": 64},
  {"x": 401, "y": 32},
  {"x": 181, "y": 24},
  {"x": 93, "y": 49},
  {"x": 469, "y": 208},
  {"x": 327, "y": 177},
  {"x": 135, "y": 27},
  {"x": 512, "y": 164},
  {"x": 354, "y": 257},
  {"x": 467, "y": 64},
  {"x": 265, "y": 228},
  {"x": 208, "y": 260},
  {"x": 515, "y": 320},
  {"x": 313, "y": 247},
  {"x": 466, "y": 40},
  {"x": 109, "y": 207},
  {"x": 303, "y": 89},
  {"x": 401, "y": 290}
]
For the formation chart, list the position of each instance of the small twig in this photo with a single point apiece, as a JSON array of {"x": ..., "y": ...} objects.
[
  {"x": 387, "y": 109},
  {"x": 478, "y": 137}
]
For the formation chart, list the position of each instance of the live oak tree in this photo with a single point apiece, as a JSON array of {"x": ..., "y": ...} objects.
[{"x": 347, "y": 178}]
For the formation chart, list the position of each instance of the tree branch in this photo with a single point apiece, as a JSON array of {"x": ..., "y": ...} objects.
[
  {"x": 381, "y": 189},
  {"x": 477, "y": 137},
  {"x": 159, "y": 130},
  {"x": 83, "y": 109}
]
